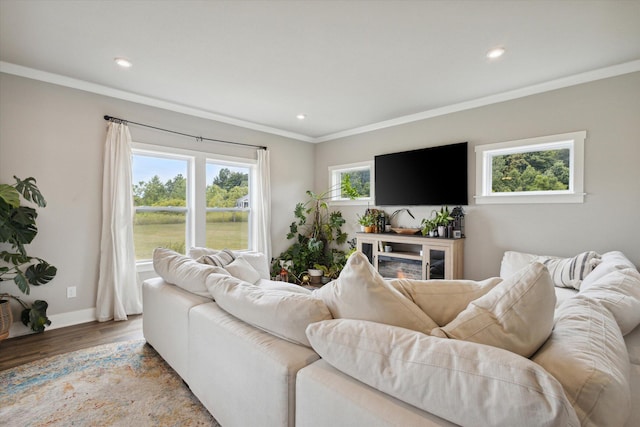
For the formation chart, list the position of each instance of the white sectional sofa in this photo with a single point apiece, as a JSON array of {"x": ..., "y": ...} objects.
[{"x": 375, "y": 371}]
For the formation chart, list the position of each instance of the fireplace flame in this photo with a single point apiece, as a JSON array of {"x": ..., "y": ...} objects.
[{"x": 401, "y": 275}]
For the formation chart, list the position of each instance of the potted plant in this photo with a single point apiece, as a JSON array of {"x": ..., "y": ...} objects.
[
  {"x": 18, "y": 228},
  {"x": 442, "y": 219},
  {"x": 428, "y": 227},
  {"x": 315, "y": 228},
  {"x": 367, "y": 221}
]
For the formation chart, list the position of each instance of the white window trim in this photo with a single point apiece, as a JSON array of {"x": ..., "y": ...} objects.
[
  {"x": 572, "y": 140},
  {"x": 335, "y": 171},
  {"x": 196, "y": 184}
]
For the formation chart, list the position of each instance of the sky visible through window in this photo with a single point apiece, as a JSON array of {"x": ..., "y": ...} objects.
[{"x": 145, "y": 167}]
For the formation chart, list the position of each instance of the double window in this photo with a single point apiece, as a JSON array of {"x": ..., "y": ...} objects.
[
  {"x": 547, "y": 169},
  {"x": 186, "y": 198}
]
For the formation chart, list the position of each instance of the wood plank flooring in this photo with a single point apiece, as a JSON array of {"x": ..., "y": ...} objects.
[{"x": 27, "y": 348}]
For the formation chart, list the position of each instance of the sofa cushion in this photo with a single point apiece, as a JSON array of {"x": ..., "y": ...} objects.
[
  {"x": 282, "y": 286},
  {"x": 565, "y": 272},
  {"x": 243, "y": 270},
  {"x": 587, "y": 354},
  {"x": 516, "y": 315},
  {"x": 361, "y": 293},
  {"x": 443, "y": 300},
  {"x": 619, "y": 292},
  {"x": 257, "y": 259},
  {"x": 611, "y": 261},
  {"x": 281, "y": 313},
  {"x": 183, "y": 271},
  {"x": 465, "y": 383}
]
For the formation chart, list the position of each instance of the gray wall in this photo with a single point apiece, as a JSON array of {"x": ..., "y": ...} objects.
[
  {"x": 57, "y": 135},
  {"x": 609, "y": 110}
]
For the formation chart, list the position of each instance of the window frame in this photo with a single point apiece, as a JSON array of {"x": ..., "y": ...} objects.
[
  {"x": 335, "y": 172},
  {"x": 195, "y": 227},
  {"x": 574, "y": 141}
]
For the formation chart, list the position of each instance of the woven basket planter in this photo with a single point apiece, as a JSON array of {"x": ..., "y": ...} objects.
[{"x": 5, "y": 319}]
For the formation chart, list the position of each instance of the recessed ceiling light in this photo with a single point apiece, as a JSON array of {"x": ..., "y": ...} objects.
[
  {"x": 124, "y": 63},
  {"x": 301, "y": 116},
  {"x": 495, "y": 53}
]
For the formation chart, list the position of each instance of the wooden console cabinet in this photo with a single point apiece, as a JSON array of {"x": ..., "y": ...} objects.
[{"x": 413, "y": 256}]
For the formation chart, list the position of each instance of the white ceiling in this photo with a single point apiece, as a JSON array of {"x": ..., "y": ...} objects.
[{"x": 350, "y": 66}]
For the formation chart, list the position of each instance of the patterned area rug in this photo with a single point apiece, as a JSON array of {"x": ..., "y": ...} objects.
[{"x": 120, "y": 384}]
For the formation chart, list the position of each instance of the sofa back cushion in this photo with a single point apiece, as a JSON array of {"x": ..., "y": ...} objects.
[
  {"x": 465, "y": 383},
  {"x": 361, "y": 293},
  {"x": 280, "y": 312},
  {"x": 516, "y": 315},
  {"x": 183, "y": 271},
  {"x": 443, "y": 300},
  {"x": 587, "y": 354}
]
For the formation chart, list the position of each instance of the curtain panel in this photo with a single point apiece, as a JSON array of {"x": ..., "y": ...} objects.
[{"x": 119, "y": 288}]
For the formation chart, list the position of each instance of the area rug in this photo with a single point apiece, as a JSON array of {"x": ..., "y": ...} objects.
[{"x": 120, "y": 384}]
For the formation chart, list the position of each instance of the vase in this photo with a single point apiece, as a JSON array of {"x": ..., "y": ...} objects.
[{"x": 441, "y": 231}]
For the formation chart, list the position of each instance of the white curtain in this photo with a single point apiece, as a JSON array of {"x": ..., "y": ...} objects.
[
  {"x": 119, "y": 290},
  {"x": 262, "y": 233}
]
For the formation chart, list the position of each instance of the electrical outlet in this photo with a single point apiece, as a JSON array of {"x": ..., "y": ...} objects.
[{"x": 71, "y": 292}]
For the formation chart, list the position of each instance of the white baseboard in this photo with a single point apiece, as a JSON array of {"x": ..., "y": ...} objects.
[{"x": 57, "y": 321}]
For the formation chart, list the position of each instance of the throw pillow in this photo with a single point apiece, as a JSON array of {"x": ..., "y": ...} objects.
[
  {"x": 565, "y": 272},
  {"x": 569, "y": 272},
  {"x": 610, "y": 261},
  {"x": 361, "y": 293},
  {"x": 443, "y": 300},
  {"x": 241, "y": 269},
  {"x": 516, "y": 315},
  {"x": 257, "y": 259},
  {"x": 464, "y": 383},
  {"x": 183, "y": 271},
  {"x": 587, "y": 354},
  {"x": 281, "y": 313},
  {"x": 618, "y": 292},
  {"x": 219, "y": 259}
]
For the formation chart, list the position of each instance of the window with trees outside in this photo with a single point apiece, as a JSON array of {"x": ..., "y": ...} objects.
[
  {"x": 359, "y": 178},
  {"x": 536, "y": 170},
  {"x": 184, "y": 198}
]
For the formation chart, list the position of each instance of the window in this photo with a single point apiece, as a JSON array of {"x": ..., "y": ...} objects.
[
  {"x": 547, "y": 169},
  {"x": 185, "y": 198},
  {"x": 359, "y": 177},
  {"x": 228, "y": 206}
]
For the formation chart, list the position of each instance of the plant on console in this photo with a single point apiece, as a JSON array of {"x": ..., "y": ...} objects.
[{"x": 18, "y": 228}]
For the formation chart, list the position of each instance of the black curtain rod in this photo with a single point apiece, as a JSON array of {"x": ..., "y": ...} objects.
[{"x": 197, "y": 138}]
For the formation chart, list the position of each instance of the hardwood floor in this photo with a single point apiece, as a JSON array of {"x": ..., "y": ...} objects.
[{"x": 27, "y": 348}]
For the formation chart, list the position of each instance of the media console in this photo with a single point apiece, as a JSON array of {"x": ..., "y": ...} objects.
[{"x": 413, "y": 256}]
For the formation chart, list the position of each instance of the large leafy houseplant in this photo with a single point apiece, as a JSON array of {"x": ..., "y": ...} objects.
[
  {"x": 315, "y": 229},
  {"x": 18, "y": 228}
]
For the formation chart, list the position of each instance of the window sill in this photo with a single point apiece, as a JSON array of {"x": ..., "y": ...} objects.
[{"x": 528, "y": 198}]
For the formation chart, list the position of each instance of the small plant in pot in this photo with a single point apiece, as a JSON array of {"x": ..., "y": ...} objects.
[
  {"x": 367, "y": 221},
  {"x": 18, "y": 228},
  {"x": 442, "y": 219},
  {"x": 428, "y": 227}
]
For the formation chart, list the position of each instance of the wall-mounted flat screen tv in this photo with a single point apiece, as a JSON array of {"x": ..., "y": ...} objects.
[{"x": 428, "y": 176}]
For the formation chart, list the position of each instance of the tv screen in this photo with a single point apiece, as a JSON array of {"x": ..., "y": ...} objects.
[{"x": 428, "y": 176}]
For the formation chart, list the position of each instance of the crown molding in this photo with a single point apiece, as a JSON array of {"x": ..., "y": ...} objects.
[
  {"x": 57, "y": 79},
  {"x": 586, "y": 77}
]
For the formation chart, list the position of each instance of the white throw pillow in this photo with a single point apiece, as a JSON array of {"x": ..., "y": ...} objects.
[
  {"x": 513, "y": 261},
  {"x": 443, "y": 300},
  {"x": 516, "y": 315},
  {"x": 183, "y": 271},
  {"x": 618, "y": 292},
  {"x": 241, "y": 269},
  {"x": 587, "y": 354},
  {"x": 611, "y": 261},
  {"x": 257, "y": 259},
  {"x": 361, "y": 293},
  {"x": 465, "y": 383},
  {"x": 281, "y": 313}
]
